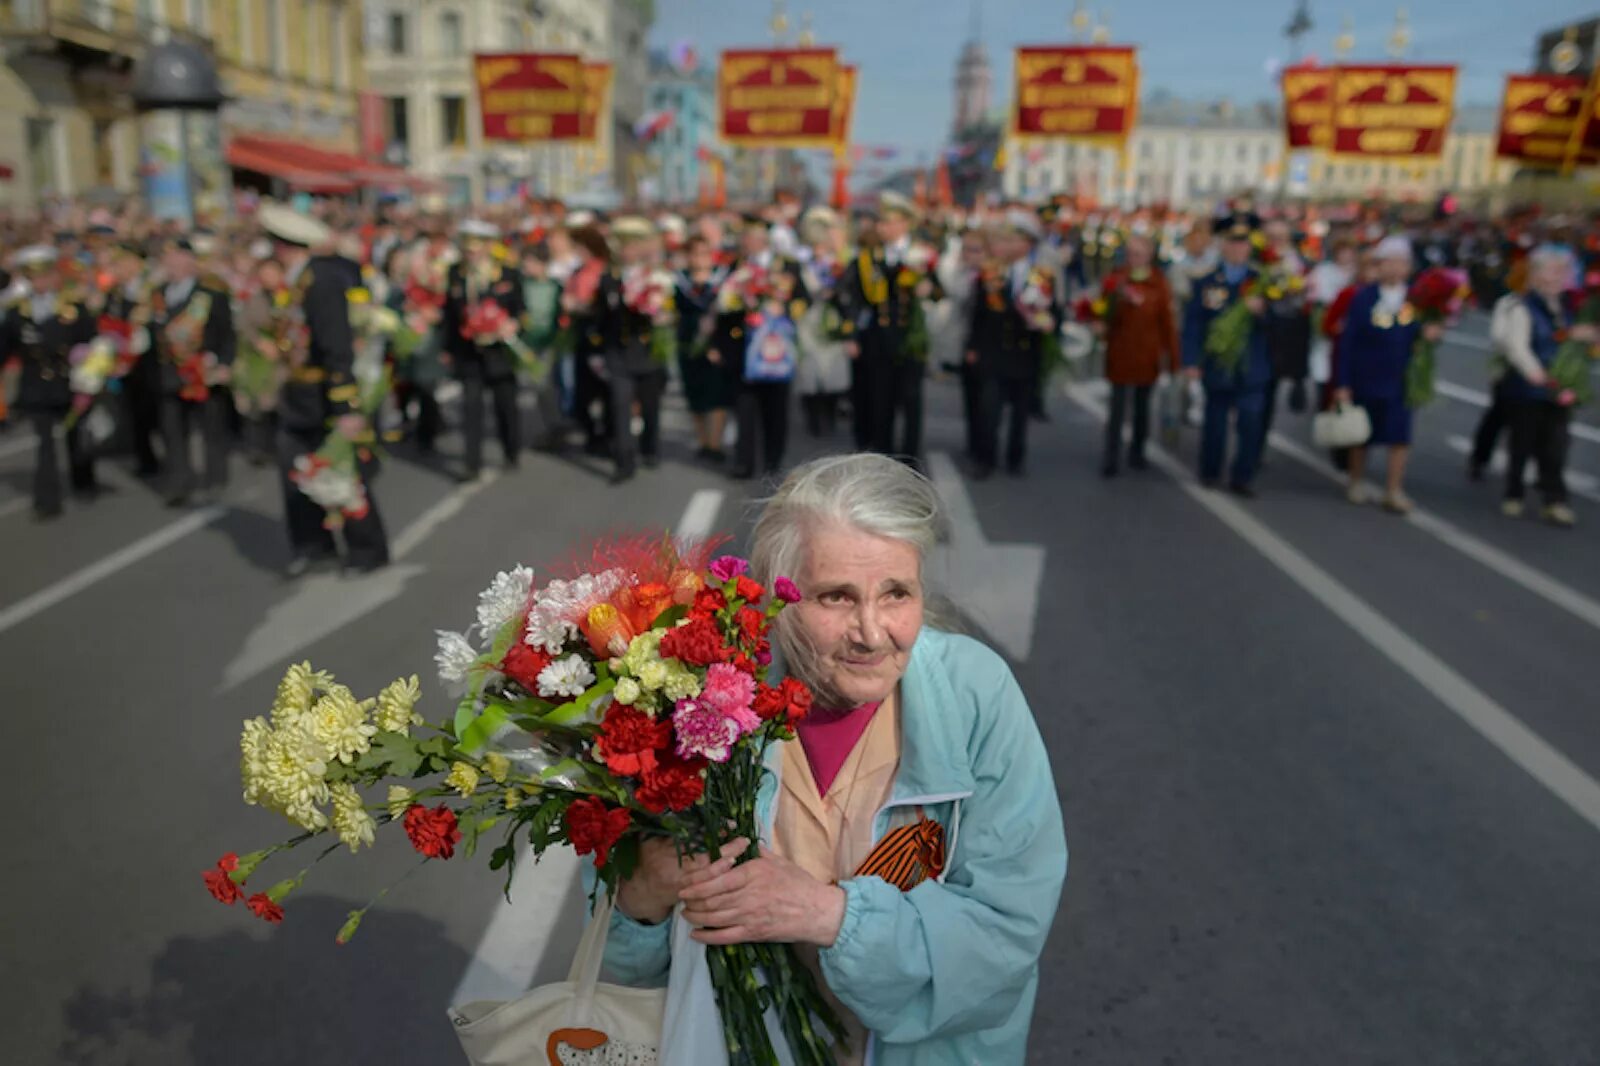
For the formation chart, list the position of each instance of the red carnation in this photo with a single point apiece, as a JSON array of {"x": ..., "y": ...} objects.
[
  {"x": 674, "y": 785},
  {"x": 748, "y": 590},
  {"x": 262, "y": 907},
  {"x": 522, "y": 665},
  {"x": 222, "y": 888},
  {"x": 229, "y": 862},
  {"x": 629, "y": 740},
  {"x": 797, "y": 698},
  {"x": 708, "y": 602},
  {"x": 770, "y": 702},
  {"x": 432, "y": 832},
  {"x": 752, "y": 623},
  {"x": 697, "y": 643},
  {"x": 594, "y": 827}
]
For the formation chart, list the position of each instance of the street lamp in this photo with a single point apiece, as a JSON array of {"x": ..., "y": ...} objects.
[
  {"x": 178, "y": 94},
  {"x": 1400, "y": 36},
  {"x": 1080, "y": 19},
  {"x": 1345, "y": 43}
]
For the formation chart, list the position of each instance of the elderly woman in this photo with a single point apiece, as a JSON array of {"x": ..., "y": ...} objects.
[
  {"x": 1540, "y": 412},
  {"x": 1380, "y": 331},
  {"x": 915, "y": 727},
  {"x": 1141, "y": 335}
]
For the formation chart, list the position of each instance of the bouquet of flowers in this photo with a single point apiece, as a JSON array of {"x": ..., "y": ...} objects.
[
  {"x": 653, "y": 294},
  {"x": 1036, "y": 302},
  {"x": 331, "y": 478},
  {"x": 367, "y": 318},
  {"x": 488, "y": 324},
  {"x": 261, "y": 361},
  {"x": 1437, "y": 295},
  {"x": 1569, "y": 372},
  {"x": 92, "y": 366},
  {"x": 626, "y": 701},
  {"x": 184, "y": 335},
  {"x": 1228, "y": 336},
  {"x": 1279, "y": 281},
  {"x": 747, "y": 289}
]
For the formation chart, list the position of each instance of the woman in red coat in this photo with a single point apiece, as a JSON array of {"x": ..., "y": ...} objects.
[{"x": 1141, "y": 341}]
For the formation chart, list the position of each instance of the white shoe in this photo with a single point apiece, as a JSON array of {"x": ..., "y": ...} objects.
[
  {"x": 1356, "y": 493},
  {"x": 1511, "y": 508},
  {"x": 1398, "y": 504},
  {"x": 1559, "y": 514}
]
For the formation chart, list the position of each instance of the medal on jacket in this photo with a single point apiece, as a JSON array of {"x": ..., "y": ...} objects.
[{"x": 1215, "y": 297}]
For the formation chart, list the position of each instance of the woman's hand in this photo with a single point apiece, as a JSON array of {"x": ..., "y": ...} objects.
[
  {"x": 1585, "y": 332},
  {"x": 1255, "y": 305},
  {"x": 651, "y": 893},
  {"x": 1343, "y": 397},
  {"x": 1433, "y": 332},
  {"x": 769, "y": 899}
]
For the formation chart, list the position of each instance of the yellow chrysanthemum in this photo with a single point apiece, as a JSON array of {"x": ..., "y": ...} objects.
[
  {"x": 296, "y": 690},
  {"x": 399, "y": 799},
  {"x": 463, "y": 778},
  {"x": 397, "y": 706},
  {"x": 652, "y": 676},
  {"x": 498, "y": 767},
  {"x": 340, "y": 723},
  {"x": 513, "y": 799},
  {"x": 293, "y": 763},
  {"x": 350, "y": 819},
  {"x": 626, "y": 692},
  {"x": 682, "y": 684},
  {"x": 252, "y": 758}
]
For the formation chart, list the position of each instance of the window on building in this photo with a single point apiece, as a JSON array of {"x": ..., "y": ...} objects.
[
  {"x": 315, "y": 44},
  {"x": 450, "y": 38},
  {"x": 514, "y": 31},
  {"x": 42, "y": 155},
  {"x": 274, "y": 39},
  {"x": 398, "y": 119},
  {"x": 1194, "y": 151},
  {"x": 244, "y": 14},
  {"x": 453, "y": 120},
  {"x": 339, "y": 46},
  {"x": 396, "y": 33},
  {"x": 1146, "y": 150},
  {"x": 197, "y": 16},
  {"x": 105, "y": 152}
]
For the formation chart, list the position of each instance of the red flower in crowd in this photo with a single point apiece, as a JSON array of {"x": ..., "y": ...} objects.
[
  {"x": 630, "y": 739},
  {"x": 522, "y": 665},
  {"x": 748, "y": 590},
  {"x": 697, "y": 643},
  {"x": 752, "y": 623},
  {"x": 674, "y": 785},
  {"x": 708, "y": 602},
  {"x": 594, "y": 827},
  {"x": 797, "y": 699},
  {"x": 228, "y": 863},
  {"x": 433, "y": 833},
  {"x": 770, "y": 702},
  {"x": 222, "y": 888},
  {"x": 262, "y": 907}
]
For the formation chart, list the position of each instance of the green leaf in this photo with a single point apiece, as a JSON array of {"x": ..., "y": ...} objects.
[
  {"x": 670, "y": 617},
  {"x": 465, "y": 710},
  {"x": 475, "y": 737},
  {"x": 577, "y": 710}
]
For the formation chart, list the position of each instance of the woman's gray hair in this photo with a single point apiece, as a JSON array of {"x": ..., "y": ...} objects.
[
  {"x": 870, "y": 493},
  {"x": 1548, "y": 255}
]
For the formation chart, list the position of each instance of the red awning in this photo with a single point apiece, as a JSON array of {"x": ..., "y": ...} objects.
[
  {"x": 308, "y": 179},
  {"x": 305, "y": 158}
]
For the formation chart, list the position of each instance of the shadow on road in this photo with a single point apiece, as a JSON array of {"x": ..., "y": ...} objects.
[
  {"x": 258, "y": 539},
  {"x": 290, "y": 997}
]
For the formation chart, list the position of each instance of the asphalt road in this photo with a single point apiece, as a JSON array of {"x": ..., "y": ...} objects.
[{"x": 1324, "y": 770}]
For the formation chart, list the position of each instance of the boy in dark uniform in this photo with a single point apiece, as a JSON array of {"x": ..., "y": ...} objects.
[
  {"x": 482, "y": 364},
  {"x": 191, "y": 328}
]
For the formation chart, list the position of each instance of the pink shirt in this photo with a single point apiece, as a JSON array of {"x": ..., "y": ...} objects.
[{"x": 829, "y": 737}]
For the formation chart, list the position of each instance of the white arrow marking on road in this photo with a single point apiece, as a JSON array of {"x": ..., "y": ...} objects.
[
  {"x": 996, "y": 585},
  {"x": 546, "y": 898},
  {"x": 322, "y": 604}
]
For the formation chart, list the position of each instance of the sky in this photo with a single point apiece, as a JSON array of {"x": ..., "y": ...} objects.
[{"x": 907, "y": 49}]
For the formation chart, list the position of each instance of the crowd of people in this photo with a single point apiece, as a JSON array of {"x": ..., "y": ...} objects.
[{"x": 315, "y": 339}]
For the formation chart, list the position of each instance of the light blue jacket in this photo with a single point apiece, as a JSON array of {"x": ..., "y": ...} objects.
[{"x": 945, "y": 973}]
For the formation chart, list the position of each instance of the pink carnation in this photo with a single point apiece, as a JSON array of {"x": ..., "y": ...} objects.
[
  {"x": 703, "y": 731},
  {"x": 786, "y": 590},
  {"x": 728, "y": 567},
  {"x": 731, "y": 693}
]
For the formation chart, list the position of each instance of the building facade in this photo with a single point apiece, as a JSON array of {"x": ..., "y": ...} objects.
[
  {"x": 419, "y": 67},
  {"x": 290, "y": 68},
  {"x": 630, "y": 58},
  {"x": 690, "y": 97}
]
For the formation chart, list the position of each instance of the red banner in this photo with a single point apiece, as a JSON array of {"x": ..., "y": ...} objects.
[
  {"x": 1392, "y": 110},
  {"x": 778, "y": 97},
  {"x": 597, "y": 95},
  {"x": 1081, "y": 92},
  {"x": 533, "y": 96},
  {"x": 1307, "y": 106},
  {"x": 1538, "y": 116}
]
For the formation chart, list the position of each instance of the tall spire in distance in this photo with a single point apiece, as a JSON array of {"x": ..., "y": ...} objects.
[{"x": 973, "y": 82}]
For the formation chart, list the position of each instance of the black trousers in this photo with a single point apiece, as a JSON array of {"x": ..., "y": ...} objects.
[
  {"x": 589, "y": 388},
  {"x": 179, "y": 419},
  {"x": 972, "y": 408},
  {"x": 429, "y": 420},
  {"x": 822, "y": 413},
  {"x": 897, "y": 397},
  {"x": 1120, "y": 395},
  {"x": 1496, "y": 417},
  {"x": 507, "y": 418},
  {"x": 1539, "y": 431},
  {"x": 143, "y": 401},
  {"x": 762, "y": 411},
  {"x": 863, "y": 374},
  {"x": 626, "y": 389},
  {"x": 365, "y": 541},
  {"x": 999, "y": 396},
  {"x": 47, "y": 491}
]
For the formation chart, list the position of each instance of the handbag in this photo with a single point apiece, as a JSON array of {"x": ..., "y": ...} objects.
[
  {"x": 771, "y": 354},
  {"x": 576, "y": 1022},
  {"x": 1341, "y": 426}
]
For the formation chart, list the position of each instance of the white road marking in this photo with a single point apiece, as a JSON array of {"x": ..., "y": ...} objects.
[
  {"x": 120, "y": 559},
  {"x": 996, "y": 585},
  {"x": 546, "y": 898},
  {"x": 442, "y": 511},
  {"x": 1461, "y": 394},
  {"x": 1493, "y": 722},
  {"x": 1578, "y": 483}
]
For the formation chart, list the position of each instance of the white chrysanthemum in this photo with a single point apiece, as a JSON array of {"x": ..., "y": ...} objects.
[
  {"x": 350, "y": 819},
  {"x": 505, "y": 598},
  {"x": 339, "y": 722},
  {"x": 397, "y": 706},
  {"x": 399, "y": 799},
  {"x": 463, "y": 777},
  {"x": 568, "y": 677},
  {"x": 627, "y": 691},
  {"x": 558, "y": 606},
  {"x": 549, "y": 635},
  {"x": 682, "y": 684},
  {"x": 646, "y": 647},
  {"x": 292, "y": 768},
  {"x": 653, "y": 675},
  {"x": 252, "y": 758},
  {"x": 454, "y": 657},
  {"x": 296, "y": 690}
]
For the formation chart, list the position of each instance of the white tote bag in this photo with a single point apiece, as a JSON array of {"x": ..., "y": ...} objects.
[
  {"x": 577, "y": 1022},
  {"x": 1344, "y": 426}
]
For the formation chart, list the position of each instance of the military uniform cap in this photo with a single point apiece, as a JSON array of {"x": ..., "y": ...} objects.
[
  {"x": 34, "y": 257},
  {"x": 1238, "y": 225},
  {"x": 477, "y": 227},
  {"x": 578, "y": 219},
  {"x": 632, "y": 228},
  {"x": 818, "y": 218},
  {"x": 1020, "y": 220},
  {"x": 291, "y": 227},
  {"x": 754, "y": 220},
  {"x": 893, "y": 203}
]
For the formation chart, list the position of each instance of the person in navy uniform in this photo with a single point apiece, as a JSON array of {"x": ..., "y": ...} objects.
[
  {"x": 1003, "y": 347},
  {"x": 191, "y": 329},
  {"x": 1380, "y": 331},
  {"x": 41, "y": 328},
  {"x": 762, "y": 407},
  {"x": 479, "y": 366},
  {"x": 626, "y": 363},
  {"x": 128, "y": 304},
  {"x": 321, "y": 394},
  {"x": 1238, "y": 395}
]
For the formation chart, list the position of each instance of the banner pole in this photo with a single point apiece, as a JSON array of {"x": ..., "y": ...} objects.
[{"x": 1569, "y": 159}]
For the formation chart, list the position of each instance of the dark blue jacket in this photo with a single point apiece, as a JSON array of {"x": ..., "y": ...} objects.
[
  {"x": 1542, "y": 339},
  {"x": 1212, "y": 293},
  {"x": 1375, "y": 349}
]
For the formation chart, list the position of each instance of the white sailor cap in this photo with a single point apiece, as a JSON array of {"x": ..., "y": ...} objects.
[
  {"x": 579, "y": 219},
  {"x": 632, "y": 228},
  {"x": 672, "y": 224},
  {"x": 34, "y": 257},
  {"x": 818, "y": 217},
  {"x": 1393, "y": 246},
  {"x": 893, "y": 203},
  {"x": 1024, "y": 222},
  {"x": 292, "y": 227},
  {"x": 477, "y": 227}
]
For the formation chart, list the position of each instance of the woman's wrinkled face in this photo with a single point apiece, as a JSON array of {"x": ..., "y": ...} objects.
[{"x": 861, "y": 612}]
